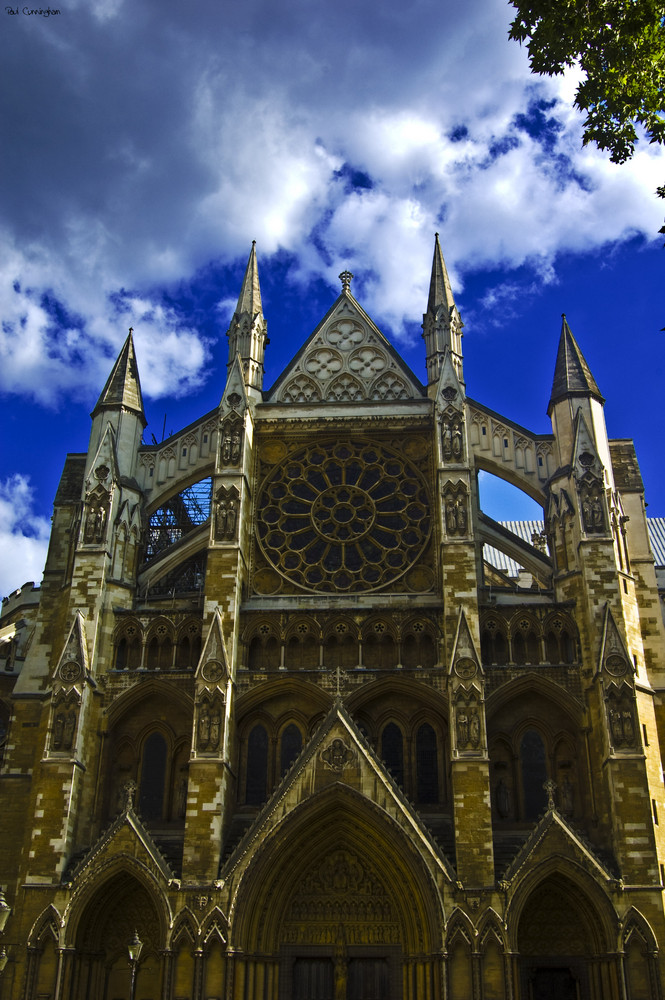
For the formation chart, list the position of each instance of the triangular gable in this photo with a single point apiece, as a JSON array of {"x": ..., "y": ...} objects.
[
  {"x": 125, "y": 836},
  {"x": 614, "y": 657},
  {"x": 450, "y": 391},
  {"x": 234, "y": 396},
  {"x": 464, "y": 661},
  {"x": 213, "y": 667},
  {"x": 346, "y": 360},
  {"x": 336, "y": 754},
  {"x": 74, "y": 661},
  {"x": 103, "y": 469},
  {"x": 585, "y": 458},
  {"x": 552, "y": 837}
]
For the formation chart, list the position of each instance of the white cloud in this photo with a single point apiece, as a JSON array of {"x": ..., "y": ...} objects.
[
  {"x": 23, "y": 536},
  {"x": 146, "y": 146}
]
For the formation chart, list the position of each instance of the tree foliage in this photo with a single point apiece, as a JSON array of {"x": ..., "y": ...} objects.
[{"x": 619, "y": 46}]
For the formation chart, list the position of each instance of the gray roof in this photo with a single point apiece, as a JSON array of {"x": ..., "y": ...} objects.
[{"x": 525, "y": 529}]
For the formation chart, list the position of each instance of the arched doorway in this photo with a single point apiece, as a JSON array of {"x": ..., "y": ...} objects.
[
  {"x": 342, "y": 906},
  {"x": 563, "y": 946},
  {"x": 119, "y": 907}
]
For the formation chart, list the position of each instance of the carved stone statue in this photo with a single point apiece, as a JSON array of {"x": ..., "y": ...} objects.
[
  {"x": 462, "y": 728},
  {"x": 215, "y": 727},
  {"x": 235, "y": 446},
  {"x": 474, "y": 730},
  {"x": 457, "y": 440},
  {"x": 69, "y": 729},
  {"x": 204, "y": 729},
  {"x": 58, "y": 730},
  {"x": 231, "y": 519}
]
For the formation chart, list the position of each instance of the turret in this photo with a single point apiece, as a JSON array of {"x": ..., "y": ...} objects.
[
  {"x": 120, "y": 405},
  {"x": 442, "y": 324},
  {"x": 574, "y": 391},
  {"x": 248, "y": 329}
]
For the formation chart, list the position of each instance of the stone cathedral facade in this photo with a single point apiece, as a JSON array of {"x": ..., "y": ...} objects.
[{"x": 280, "y": 717}]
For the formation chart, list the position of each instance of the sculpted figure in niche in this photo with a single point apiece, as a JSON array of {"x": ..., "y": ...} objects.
[
  {"x": 215, "y": 723},
  {"x": 502, "y": 799},
  {"x": 95, "y": 522},
  {"x": 462, "y": 729},
  {"x": 567, "y": 797},
  {"x": 616, "y": 727},
  {"x": 231, "y": 446},
  {"x": 226, "y": 518},
  {"x": 235, "y": 447},
  {"x": 447, "y": 440},
  {"x": 232, "y": 517},
  {"x": 627, "y": 726},
  {"x": 592, "y": 510},
  {"x": 58, "y": 730},
  {"x": 474, "y": 730},
  {"x": 204, "y": 729},
  {"x": 456, "y": 516},
  {"x": 69, "y": 728}
]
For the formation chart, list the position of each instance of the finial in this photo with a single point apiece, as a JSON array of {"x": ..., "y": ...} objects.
[
  {"x": 131, "y": 330},
  {"x": 253, "y": 243},
  {"x": 346, "y": 278}
]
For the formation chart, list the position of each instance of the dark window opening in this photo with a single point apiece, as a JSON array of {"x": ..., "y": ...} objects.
[
  {"x": 153, "y": 777},
  {"x": 257, "y": 767},
  {"x": 427, "y": 765},
  {"x": 392, "y": 751}
]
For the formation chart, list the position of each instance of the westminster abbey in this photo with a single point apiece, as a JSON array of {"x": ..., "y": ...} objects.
[{"x": 285, "y": 725}]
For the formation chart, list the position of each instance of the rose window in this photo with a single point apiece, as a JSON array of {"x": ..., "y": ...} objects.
[{"x": 348, "y": 516}]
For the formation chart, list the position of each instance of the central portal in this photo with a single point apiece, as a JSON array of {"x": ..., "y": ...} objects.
[{"x": 341, "y": 977}]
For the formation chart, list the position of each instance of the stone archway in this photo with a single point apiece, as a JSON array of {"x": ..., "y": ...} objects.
[
  {"x": 100, "y": 963},
  {"x": 563, "y": 945},
  {"x": 344, "y": 907}
]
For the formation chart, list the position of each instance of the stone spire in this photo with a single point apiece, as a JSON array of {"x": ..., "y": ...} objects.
[
  {"x": 442, "y": 324},
  {"x": 123, "y": 386},
  {"x": 247, "y": 332},
  {"x": 572, "y": 375}
]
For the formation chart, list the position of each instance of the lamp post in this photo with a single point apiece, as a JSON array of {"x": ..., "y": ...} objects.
[
  {"x": 5, "y": 910},
  {"x": 134, "y": 948}
]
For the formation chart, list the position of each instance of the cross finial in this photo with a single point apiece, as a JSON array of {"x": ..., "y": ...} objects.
[
  {"x": 339, "y": 675},
  {"x": 346, "y": 278}
]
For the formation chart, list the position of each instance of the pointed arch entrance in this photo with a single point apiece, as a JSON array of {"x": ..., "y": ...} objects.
[
  {"x": 342, "y": 905},
  {"x": 564, "y": 939},
  {"x": 105, "y": 924}
]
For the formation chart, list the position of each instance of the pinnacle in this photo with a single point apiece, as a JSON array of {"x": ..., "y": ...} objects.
[
  {"x": 440, "y": 292},
  {"x": 123, "y": 386},
  {"x": 249, "y": 300},
  {"x": 572, "y": 375}
]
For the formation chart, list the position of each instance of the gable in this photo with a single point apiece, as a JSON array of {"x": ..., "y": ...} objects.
[{"x": 346, "y": 360}]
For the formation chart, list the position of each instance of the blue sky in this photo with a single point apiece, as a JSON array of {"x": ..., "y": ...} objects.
[{"x": 147, "y": 145}]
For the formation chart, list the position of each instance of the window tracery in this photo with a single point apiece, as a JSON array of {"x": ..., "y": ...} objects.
[{"x": 343, "y": 516}]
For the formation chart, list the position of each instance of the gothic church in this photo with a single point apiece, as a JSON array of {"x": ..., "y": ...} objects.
[{"x": 282, "y": 731}]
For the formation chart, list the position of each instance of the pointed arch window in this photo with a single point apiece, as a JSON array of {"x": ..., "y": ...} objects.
[
  {"x": 533, "y": 762},
  {"x": 153, "y": 777},
  {"x": 392, "y": 751},
  {"x": 290, "y": 748},
  {"x": 427, "y": 765},
  {"x": 256, "y": 780}
]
